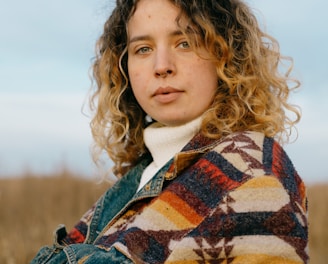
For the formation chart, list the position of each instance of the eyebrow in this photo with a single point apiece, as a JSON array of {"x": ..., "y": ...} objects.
[{"x": 148, "y": 37}]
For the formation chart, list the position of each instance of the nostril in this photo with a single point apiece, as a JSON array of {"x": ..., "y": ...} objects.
[{"x": 163, "y": 73}]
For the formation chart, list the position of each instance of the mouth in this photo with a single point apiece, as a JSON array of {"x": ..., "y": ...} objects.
[
  {"x": 165, "y": 90},
  {"x": 166, "y": 95}
]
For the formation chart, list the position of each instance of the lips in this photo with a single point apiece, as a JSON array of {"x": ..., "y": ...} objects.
[{"x": 166, "y": 95}]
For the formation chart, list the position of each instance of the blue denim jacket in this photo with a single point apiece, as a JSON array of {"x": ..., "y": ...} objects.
[{"x": 108, "y": 208}]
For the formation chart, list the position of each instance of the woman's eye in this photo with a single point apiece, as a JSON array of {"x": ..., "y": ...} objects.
[
  {"x": 184, "y": 45},
  {"x": 143, "y": 50}
]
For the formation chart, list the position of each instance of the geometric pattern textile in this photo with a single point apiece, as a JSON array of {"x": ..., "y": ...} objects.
[{"x": 234, "y": 200}]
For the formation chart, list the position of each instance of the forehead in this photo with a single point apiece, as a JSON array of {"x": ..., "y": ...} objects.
[
  {"x": 145, "y": 5},
  {"x": 154, "y": 12}
]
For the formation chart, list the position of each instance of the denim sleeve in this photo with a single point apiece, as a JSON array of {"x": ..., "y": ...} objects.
[
  {"x": 80, "y": 253},
  {"x": 52, "y": 254},
  {"x": 49, "y": 255},
  {"x": 90, "y": 254}
]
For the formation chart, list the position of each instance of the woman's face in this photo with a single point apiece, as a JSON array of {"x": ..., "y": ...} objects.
[{"x": 170, "y": 81}]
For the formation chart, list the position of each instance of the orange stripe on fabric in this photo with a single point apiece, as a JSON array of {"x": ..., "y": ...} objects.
[
  {"x": 218, "y": 175},
  {"x": 182, "y": 207},
  {"x": 172, "y": 215}
]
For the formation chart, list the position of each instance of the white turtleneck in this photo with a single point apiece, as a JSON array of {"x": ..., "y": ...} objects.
[{"x": 164, "y": 142}]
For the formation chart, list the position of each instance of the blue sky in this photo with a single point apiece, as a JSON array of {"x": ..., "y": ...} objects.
[{"x": 45, "y": 52}]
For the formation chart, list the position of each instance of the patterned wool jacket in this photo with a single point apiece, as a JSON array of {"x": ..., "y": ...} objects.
[{"x": 233, "y": 200}]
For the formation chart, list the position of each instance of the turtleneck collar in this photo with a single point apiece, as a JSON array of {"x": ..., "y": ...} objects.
[{"x": 164, "y": 142}]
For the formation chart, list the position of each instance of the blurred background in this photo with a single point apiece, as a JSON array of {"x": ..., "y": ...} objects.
[{"x": 46, "y": 50}]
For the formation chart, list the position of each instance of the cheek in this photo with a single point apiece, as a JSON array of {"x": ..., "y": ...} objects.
[
  {"x": 136, "y": 85},
  {"x": 210, "y": 79},
  {"x": 133, "y": 72},
  {"x": 211, "y": 74},
  {"x": 207, "y": 75},
  {"x": 133, "y": 76}
]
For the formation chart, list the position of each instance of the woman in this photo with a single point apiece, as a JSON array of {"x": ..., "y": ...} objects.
[{"x": 189, "y": 100}]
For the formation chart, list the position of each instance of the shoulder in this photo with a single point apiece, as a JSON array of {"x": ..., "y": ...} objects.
[
  {"x": 247, "y": 141},
  {"x": 248, "y": 152},
  {"x": 251, "y": 158},
  {"x": 253, "y": 153},
  {"x": 243, "y": 156}
]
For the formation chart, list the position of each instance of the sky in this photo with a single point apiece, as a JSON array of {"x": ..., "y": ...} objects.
[{"x": 46, "y": 50}]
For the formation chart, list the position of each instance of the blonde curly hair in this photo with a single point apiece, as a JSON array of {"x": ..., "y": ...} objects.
[{"x": 252, "y": 93}]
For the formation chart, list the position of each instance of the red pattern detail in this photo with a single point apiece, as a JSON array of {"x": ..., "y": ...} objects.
[{"x": 75, "y": 236}]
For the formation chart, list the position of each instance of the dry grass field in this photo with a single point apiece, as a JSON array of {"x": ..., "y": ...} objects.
[{"x": 31, "y": 208}]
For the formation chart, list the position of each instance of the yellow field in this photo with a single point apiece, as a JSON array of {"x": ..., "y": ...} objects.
[{"x": 32, "y": 207}]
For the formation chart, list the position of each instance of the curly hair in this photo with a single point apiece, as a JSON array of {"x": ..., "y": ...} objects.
[{"x": 252, "y": 93}]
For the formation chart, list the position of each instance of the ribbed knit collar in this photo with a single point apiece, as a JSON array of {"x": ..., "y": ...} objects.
[{"x": 164, "y": 142}]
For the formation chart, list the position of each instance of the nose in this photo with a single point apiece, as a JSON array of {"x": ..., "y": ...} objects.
[{"x": 164, "y": 64}]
